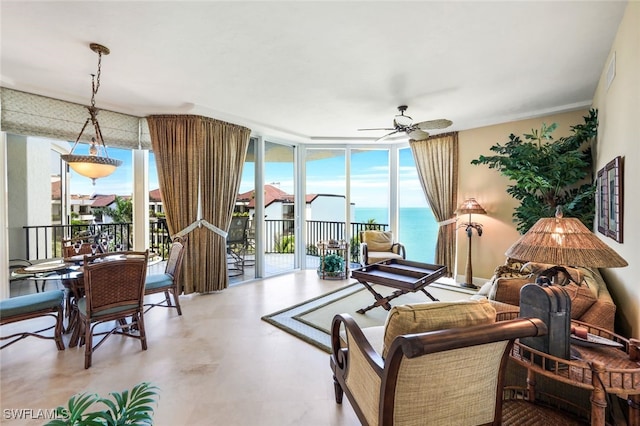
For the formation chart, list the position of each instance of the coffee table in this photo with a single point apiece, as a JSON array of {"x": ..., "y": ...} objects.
[{"x": 404, "y": 275}]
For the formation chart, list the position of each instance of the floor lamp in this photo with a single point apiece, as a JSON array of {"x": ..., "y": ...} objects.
[{"x": 470, "y": 206}]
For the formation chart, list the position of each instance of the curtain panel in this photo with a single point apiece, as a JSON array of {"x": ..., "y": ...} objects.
[
  {"x": 199, "y": 163},
  {"x": 436, "y": 159}
]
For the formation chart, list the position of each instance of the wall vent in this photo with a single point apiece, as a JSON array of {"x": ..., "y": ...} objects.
[{"x": 611, "y": 70}]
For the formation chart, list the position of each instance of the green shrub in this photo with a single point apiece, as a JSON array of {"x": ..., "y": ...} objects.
[{"x": 285, "y": 244}]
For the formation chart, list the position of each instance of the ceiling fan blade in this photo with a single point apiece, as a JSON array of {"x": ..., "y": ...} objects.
[
  {"x": 386, "y": 128},
  {"x": 417, "y": 134},
  {"x": 387, "y": 135},
  {"x": 434, "y": 124}
]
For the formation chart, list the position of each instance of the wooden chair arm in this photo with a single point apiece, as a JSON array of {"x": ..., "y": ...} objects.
[
  {"x": 375, "y": 361},
  {"x": 398, "y": 248}
]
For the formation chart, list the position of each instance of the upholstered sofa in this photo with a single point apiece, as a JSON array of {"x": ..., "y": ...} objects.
[{"x": 590, "y": 298}]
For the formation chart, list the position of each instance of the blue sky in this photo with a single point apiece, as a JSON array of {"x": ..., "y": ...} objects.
[{"x": 369, "y": 177}]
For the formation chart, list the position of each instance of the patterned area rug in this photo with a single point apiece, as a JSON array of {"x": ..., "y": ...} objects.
[{"x": 311, "y": 320}]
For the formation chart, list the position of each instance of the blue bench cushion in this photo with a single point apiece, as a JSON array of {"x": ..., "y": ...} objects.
[
  {"x": 155, "y": 281},
  {"x": 30, "y": 303},
  {"x": 82, "y": 307}
]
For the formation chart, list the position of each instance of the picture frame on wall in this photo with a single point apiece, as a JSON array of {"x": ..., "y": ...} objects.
[{"x": 609, "y": 199}]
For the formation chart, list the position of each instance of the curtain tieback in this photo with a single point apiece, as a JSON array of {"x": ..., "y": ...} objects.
[
  {"x": 199, "y": 224},
  {"x": 448, "y": 221}
]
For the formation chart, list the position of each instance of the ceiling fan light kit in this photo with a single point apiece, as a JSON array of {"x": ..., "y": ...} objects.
[{"x": 404, "y": 123}]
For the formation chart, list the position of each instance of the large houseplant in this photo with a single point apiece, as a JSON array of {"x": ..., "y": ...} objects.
[{"x": 547, "y": 172}]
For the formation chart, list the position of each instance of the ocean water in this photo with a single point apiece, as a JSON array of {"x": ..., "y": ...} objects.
[{"x": 418, "y": 229}]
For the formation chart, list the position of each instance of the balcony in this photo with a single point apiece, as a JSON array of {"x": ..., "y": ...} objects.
[{"x": 45, "y": 242}]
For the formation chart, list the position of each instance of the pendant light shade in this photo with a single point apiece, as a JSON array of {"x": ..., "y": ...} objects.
[{"x": 97, "y": 164}]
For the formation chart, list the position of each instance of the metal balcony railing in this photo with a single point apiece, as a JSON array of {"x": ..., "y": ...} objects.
[{"x": 45, "y": 242}]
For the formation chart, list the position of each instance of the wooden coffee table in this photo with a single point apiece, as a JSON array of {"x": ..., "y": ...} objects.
[{"x": 404, "y": 275}]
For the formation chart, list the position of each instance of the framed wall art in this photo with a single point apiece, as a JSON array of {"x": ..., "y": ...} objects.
[{"x": 609, "y": 199}]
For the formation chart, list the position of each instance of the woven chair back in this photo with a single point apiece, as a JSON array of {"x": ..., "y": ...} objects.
[
  {"x": 115, "y": 281},
  {"x": 176, "y": 254}
]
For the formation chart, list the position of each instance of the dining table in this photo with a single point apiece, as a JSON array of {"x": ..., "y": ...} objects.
[{"x": 69, "y": 271}]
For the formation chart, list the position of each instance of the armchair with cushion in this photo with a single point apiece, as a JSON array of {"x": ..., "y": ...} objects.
[
  {"x": 376, "y": 246},
  {"x": 451, "y": 373}
]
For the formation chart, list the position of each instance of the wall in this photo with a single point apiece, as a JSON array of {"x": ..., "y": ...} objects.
[
  {"x": 30, "y": 184},
  {"x": 488, "y": 187},
  {"x": 619, "y": 110}
]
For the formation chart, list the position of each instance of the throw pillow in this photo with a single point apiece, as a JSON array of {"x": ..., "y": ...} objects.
[
  {"x": 423, "y": 317},
  {"x": 507, "y": 290},
  {"x": 378, "y": 240}
]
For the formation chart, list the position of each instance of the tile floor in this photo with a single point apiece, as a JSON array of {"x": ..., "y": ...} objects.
[{"x": 217, "y": 364}]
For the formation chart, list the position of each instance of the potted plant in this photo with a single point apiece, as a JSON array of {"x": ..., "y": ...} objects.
[
  {"x": 548, "y": 173},
  {"x": 132, "y": 407},
  {"x": 331, "y": 266}
]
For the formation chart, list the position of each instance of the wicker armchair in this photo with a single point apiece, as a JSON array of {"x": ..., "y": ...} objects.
[
  {"x": 376, "y": 246},
  {"x": 114, "y": 291},
  {"x": 444, "y": 377},
  {"x": 169, "y": 281}
]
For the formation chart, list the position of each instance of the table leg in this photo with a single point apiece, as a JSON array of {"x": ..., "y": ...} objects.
[
  {"x": 380, "y": 301},
  {"x": 429, "y": 295},
  {"x": 634, "y": 410},
  {"x": 598, "y": 395},
  {"x": 531, "y": 385}
]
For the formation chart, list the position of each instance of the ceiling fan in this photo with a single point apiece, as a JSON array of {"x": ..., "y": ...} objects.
[{"x": 404, "y": 123}]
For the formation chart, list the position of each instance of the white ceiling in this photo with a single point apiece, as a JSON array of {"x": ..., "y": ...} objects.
[{"x": 308, "y": 71}]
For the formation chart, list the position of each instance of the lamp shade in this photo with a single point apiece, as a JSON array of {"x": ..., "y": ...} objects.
[
  {"x": 92, "y": 166},
  {"x": 564, "y": 241},
  {"x": 470, "y": 206}
]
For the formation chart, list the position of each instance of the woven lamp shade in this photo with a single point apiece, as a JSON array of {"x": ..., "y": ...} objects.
[
  {"x": 564, "y": 241},
  {"x": 470, "y": 206}
]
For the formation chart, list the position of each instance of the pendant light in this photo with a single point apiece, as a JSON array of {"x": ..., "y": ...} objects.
[{"x": 97, "y": 164}]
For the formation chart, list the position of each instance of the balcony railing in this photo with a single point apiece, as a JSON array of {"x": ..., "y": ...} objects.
[
  {"x": 45, "y": 242},
  {"x": 280, "y": 235}
]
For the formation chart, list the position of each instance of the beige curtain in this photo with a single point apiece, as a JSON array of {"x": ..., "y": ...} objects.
[
  {"x": 225, "y": 148},
  {"x": 437, "y": 163},
  {"x": 199, "y": 160}
]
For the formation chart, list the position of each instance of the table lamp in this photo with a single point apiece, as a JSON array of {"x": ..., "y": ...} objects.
[
  {"x": 470, "y": 206},
  {"x": 563, "y": 241}
]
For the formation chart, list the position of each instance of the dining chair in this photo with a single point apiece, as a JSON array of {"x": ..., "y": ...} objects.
[
  {"x": 168, "y": 281},
  {"x": 114, "y": 291}
]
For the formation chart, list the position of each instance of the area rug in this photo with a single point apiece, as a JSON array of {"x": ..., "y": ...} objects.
[{"x": 311, "y": 320}]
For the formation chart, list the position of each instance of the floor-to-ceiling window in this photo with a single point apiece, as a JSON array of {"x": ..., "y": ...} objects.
[
  {"x": 325, "y": 199},
  {"x": 279, "y": 208},
  {"x": 370, "y": 190},
  {"x": 417, "y": 226}
]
